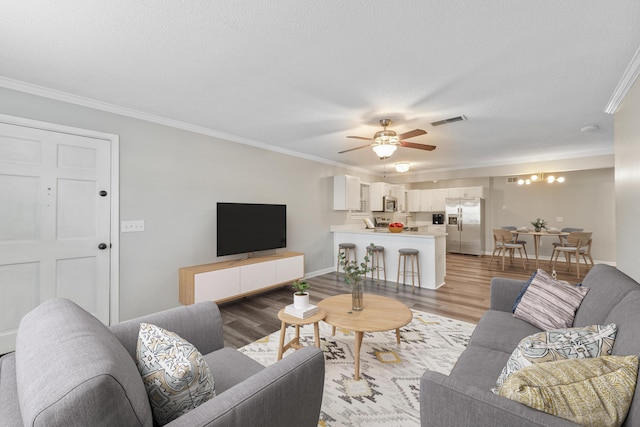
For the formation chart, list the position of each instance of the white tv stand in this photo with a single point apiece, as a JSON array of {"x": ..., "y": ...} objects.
[{"x": 229, "y": 280}]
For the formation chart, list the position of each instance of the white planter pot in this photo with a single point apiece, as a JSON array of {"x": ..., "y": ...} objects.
[{"x": 301, "y": 301}]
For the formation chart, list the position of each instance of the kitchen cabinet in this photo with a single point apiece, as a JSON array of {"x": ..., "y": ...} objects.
[
  {"x": 377, "y": 190},
  {"x": 466, "y": 192},
  {"x": 413, "y": 200},
  {"x": 433, "y": 200},
  {"x": 346, "y": 193}
]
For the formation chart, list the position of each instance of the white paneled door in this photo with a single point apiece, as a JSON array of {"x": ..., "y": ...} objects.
[{"x": 55, "y": 232}]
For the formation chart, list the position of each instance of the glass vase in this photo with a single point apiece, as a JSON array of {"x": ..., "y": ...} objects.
[
  {"x": 538, "y": 229},
  {"x": 357, "y": 300}
]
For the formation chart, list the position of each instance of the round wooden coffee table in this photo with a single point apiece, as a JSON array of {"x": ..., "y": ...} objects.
[{"x": 379, "y": 314}]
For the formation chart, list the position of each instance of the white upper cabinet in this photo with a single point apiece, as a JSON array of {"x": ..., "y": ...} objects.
[
  {"x": 466, "y": 192},
  {"x": 413, "y": 200},
  {"x": 434, "y": 200},
  {"x": 346, "y": 193}
]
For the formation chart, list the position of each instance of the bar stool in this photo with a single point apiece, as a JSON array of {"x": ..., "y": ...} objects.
[
  {"x": 374, "y": 256},
  {"x": 412, "y": 254},
  {"x": 347, "y": 249}
]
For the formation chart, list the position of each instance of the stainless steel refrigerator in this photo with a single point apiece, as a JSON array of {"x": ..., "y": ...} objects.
[{"x": 465, "y": 225}]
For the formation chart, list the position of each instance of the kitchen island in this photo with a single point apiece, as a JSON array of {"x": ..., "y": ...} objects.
[{"x": 432, "y": 247}]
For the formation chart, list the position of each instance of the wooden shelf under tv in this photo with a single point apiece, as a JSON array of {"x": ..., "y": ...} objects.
[{"x": 229, "y": 280}]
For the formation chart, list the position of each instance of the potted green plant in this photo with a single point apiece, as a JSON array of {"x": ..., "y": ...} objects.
[
  {"x": 300, "y": 296},
  {"x": 353, "y": 276},
  {"x": 539, "y": 224}
]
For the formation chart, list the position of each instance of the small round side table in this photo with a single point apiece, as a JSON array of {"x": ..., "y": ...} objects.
[{"x": 292, "y": 320}]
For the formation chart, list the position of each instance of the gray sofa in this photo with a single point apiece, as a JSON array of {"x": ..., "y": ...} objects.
[
  {"x": 71, "y": 370},
  {"x": 463, "y": 398}
]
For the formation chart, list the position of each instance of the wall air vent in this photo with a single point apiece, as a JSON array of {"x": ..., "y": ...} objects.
[
  {"x": 449, "y": 120},
  {"x": 512, "y": 179}
]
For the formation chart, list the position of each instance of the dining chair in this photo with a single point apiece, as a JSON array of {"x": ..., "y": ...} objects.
[
  {"x": 504, "y": 243},
  {"x": 563, "y": 239},
  {"x": 577, "y": 243},
  {"x": 585, "y": 251},
  {"x": 515, "y": 239}
]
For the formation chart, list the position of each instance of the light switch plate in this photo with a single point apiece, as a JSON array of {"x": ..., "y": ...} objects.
[{"x": 132, "y": 226}]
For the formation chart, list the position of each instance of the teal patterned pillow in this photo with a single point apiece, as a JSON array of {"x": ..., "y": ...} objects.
[
  {"x": 559, "y": 344},
  {"x": 175, "y": 374}
]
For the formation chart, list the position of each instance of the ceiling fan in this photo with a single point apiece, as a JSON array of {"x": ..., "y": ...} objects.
[{"x": 386, "y": 141}]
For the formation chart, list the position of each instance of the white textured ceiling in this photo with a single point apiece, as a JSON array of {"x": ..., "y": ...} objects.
[{"x": 302, "y": 75}]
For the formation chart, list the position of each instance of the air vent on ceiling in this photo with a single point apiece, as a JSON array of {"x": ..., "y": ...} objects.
[
  {"x": 512, "y": 179},
  {"x": 449, "y": 120}
]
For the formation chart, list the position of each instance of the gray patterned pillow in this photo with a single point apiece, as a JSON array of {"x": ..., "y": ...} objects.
[
  {"x": 559, "y": 344},
  {"x": 549, "y": 303},
  {"x": 175, "y": 374}
]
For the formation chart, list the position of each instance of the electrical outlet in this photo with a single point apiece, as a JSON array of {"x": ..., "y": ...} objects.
[
  {"x": 132, "y": 226},
  {"x": 559, "y": 219}
]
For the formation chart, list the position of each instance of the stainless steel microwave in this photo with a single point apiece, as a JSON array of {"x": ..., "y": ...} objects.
[{"x": 389, "y": 204}]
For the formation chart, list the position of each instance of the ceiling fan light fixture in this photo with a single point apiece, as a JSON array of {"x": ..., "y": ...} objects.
[
  {"x": 386, "y": 137},
  {"x": 384, "y": 150},
  {"x": 402, "y": 167}
]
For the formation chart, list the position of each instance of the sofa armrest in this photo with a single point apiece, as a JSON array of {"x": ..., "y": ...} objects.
[
  {"x": 200, "y": 324},
  {"x": 447, "y": 402},
  {"x": 287, "y": 393},
  {"x": 504, "y": 292}
]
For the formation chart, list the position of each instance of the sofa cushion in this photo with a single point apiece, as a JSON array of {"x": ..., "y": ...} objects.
[
  {"x": 71, "y": 371},
  {"x": 479, "y": 366},
  {"x": 175, "y": 374},
  {"x": 550, "y": 304},
  {"x": 558, "y": 344},
  {"x": 608, "y": 286},
  {"x": 230, "y": 367},
  {"x": 9, "y": 405},
  {"x": 499, "y": 330},
  {"x": 589, "y": 392}
]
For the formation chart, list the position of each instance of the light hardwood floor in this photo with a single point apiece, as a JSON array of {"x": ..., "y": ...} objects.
[{"x": 465, "y": 296}]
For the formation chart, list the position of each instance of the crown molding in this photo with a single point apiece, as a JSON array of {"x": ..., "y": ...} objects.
[
  {"x": 628, "y": 78},
  {"x": 57, "y": 95}
]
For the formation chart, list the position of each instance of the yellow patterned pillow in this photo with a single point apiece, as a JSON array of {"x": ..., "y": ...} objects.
[{"x": 590, "y": 392}]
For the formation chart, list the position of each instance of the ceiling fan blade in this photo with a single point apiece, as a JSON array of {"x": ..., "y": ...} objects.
[
  {"x": 352, "y": 149},
  {"x": 418, "y": 146},
  {"x": 361, "y": 137},
  {"x": 412, "y": 133}
]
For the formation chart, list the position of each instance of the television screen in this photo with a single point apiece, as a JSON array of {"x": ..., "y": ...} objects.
[{"x": 250, "y": 227}]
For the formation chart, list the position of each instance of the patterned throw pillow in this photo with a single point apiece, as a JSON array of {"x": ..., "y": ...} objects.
[
  {"x": 558, "y": 344},
  {"x": 549, "y": 303},
  {"x": 175, "y": 374},
  {"x": 523, "y": 289},
  {"x": 573, "y": 389}
]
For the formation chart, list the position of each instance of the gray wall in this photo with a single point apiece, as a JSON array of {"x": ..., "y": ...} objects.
[
  {"x": 172, "y": 179},
  {"x": 586, "y": 200},
  {"x": 627, "y": 143}
]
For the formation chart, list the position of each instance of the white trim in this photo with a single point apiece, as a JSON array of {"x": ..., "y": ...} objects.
[
  {"x": 114, "y": 280},
  {"x": 628, "y": 78},
  {"x": 128, "y": 112}
]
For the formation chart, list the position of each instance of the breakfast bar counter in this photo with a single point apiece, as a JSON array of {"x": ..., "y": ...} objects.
[{"x": 432, "y": 247}]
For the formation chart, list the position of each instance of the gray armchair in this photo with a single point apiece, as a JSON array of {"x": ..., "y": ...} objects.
[{"x": 92, "y": 378}]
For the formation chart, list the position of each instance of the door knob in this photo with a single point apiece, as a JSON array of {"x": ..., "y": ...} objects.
[
  {"x": 103, "y": 193},
  {"x": 102, "y": 246}
]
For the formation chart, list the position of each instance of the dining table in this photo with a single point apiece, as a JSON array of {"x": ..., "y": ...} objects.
[{"x": 536, "y": 239}]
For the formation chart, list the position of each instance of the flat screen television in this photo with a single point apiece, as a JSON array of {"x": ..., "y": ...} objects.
[{"x": 250, "y": 227}]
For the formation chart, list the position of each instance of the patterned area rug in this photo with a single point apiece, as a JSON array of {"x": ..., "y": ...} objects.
[{"x": 388, "y": 391}]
